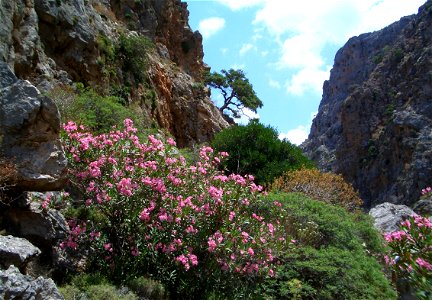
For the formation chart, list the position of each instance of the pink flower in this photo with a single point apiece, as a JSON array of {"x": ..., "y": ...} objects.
[
  {"x": 125, "y": 187},
  {"x": 270, "y": 228},
  {"x": 224, "y": 154},
  {"x": 406, "y": 223},
  {"x": 212, "y": 245},
  {"x": 215, "y": 193},
  {"x": 94, "y": 235},
  {"x": 70, "y": 127},
  {"x": 135, "y": 251},
  {"x": 171, "y": 142},
  {"x": 193, "y": 259},
  {"x": 251, "y": 252},
  {"x": 424, "y": 264},
  {"x": 108, "y": 247},
  {"x": 184, "y": 261},
  {"x": 426, "y": 190}
]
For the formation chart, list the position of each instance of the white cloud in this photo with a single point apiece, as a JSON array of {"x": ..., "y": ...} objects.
[
  {"x": 297, "y": 135},
  {"x": 274, "y": 84},
  {"x": 246, "y": 115},
  {"x": 245, "y": 48},
  {"x": 240, "y": 4},
  {"x": 300, "y": 134},
  {"x": 238, "y": 66},
  {"x": 307, "y": 79},
  {"x": 210, "y": 26},
  {"x": 301, "y": 51},
  {"x": 305, "y": 28}
]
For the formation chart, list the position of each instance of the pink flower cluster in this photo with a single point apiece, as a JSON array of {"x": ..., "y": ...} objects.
[
  {"x": 163, "y": 205},
  {"x": 426, "y": 191},
  {"x": 411, "y": 256}
]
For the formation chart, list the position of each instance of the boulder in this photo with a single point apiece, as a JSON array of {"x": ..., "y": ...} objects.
[
  {"x": 424, "y": 206},
  {"x": 388, "y": 216},
  {"x": 16, "y": 251},
  {"x": 29, "y": 127},
  {"x": 14, "y": 285},
  {"x": 43, "y": 227}
]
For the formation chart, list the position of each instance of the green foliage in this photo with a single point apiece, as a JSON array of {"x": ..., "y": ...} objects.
[
  {"x": 131, "y": 51},
  {"x": 94, "y": 287},
  {"x": 97, "y": 113},
  {"x": 148, "y": 288},
  {"x": 106, "y": 47},
  {"x": 397, "y": 55},
  {"x": 333, "y": 257},
  {"x": 255, "y": 149},
  {"x": 237, "y": 91}
]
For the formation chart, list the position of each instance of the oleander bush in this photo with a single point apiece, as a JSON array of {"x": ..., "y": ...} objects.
[
  {"x": 410, "y": 254},
  {"x": 143, "y": 210},
  {"x": 328, "y": 187}
]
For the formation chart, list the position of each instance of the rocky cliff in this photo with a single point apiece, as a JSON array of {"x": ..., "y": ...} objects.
[
  {"x": 58, "y": 42},
  {"x": 374, "y": 124}
]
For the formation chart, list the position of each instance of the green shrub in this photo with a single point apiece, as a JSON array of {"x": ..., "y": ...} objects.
[
  {"x": 94, "y": 287},
  {"x": 328, "y": 187},
  {"x": 333, "y": 257},
  {"x": 255, "y": 149},
  {"x": 148, "y": 288},
  {"x": 131, "y": 52},
  {"x": 96, "y": 112}
]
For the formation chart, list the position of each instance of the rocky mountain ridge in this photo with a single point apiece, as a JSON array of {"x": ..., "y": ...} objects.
[
  {"x": 58, "y": 42},
  {"x": 374, "y": 124}
]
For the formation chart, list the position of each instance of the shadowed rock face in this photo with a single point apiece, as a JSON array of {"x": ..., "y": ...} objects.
[
  {"x": 374, "y": 124},
  {"x": 29, "y": 127}
]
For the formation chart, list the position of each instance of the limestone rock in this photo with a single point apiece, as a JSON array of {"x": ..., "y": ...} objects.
[
  {"x": 424, "y": 207},
  {"x": 16, "y": 251},
  {"x": 44, "y": 228},
  {"x": 374, "y": 124},
  {"x": 29, "y": 127},
  {"x": 184, "y": 109},
  {"x": 56, "y": 42},
  {"x": 388, "y": 216},
  {"x": 14, "y": 285}
]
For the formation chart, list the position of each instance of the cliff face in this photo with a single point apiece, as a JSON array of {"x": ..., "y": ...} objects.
[
  {"x": 374, "y": 124},
  {"x": 51, "y": 42}
]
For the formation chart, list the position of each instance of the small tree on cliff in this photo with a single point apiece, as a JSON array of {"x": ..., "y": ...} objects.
[{"x": 236, "y": 90}]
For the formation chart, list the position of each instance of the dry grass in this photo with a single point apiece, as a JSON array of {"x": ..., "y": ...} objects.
[
  {"x": 8, "y": 172},
  {"x": 8, "y": 176},
  {"x": 328, "y": 187},
  {"x": 104, "y": 11}
]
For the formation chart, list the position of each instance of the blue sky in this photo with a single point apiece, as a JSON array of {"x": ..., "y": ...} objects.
[{"x": 286, "y": 48}]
